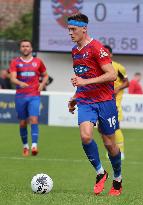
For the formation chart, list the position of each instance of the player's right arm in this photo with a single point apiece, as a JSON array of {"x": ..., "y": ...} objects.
[
  {"x": 13, "y": 77},
  {"x": 72, "y": 104}
]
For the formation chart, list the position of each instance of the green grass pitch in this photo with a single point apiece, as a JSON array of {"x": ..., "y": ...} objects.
[{"x": 61, "y": 157}]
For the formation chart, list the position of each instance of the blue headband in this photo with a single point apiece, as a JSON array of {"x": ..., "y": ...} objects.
[{"x": 77, "y": 23}]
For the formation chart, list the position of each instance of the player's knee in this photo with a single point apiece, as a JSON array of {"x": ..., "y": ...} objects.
[
  {"x": 23, "y": 123},
  {"x": 112, "y": 148},
  {"x": 86, "y": 138},
  {"x": 33, "y": 120},
  {"x": 109, "y": 147}
]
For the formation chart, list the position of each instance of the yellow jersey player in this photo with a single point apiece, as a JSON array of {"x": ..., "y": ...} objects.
[{"x": 119, "y": 85}]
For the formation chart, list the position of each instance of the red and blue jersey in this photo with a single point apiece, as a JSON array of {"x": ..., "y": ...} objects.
[
  {"x": 87, "y": 63},
  {"x": 28, "y": 72}
]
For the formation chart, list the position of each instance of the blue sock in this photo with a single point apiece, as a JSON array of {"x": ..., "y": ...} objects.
[
  {"x": 116, "y": 164},
  {"x": 23, "y": 134},
  {"x": 34, "y": 133},
  {"x": 91, "y": 151}
]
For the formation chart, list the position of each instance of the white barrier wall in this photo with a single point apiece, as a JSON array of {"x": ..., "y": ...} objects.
[
  {"x": 58, "y": 110},
  {"x": 132, "y": 111},
  {"x": 58, "y": 114}
]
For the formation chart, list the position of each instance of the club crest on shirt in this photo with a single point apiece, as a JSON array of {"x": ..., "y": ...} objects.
[
  {"x": 103, "y": 53},
  {"x": 34, "y": 64},
  {"x": 62, "y": 9}
]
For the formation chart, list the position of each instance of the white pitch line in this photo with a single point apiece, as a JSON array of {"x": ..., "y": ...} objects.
[
  {"x": 44, "y": 159},
  {"x": 64, "y": 160}
]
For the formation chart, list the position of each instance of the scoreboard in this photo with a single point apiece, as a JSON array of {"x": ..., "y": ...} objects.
[{"x": 116, "y": 23}]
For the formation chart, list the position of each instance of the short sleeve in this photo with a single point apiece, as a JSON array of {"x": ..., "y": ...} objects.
[
  {"x": 101, "y": 54},
  {"x": 42, "y": 67},
  {"x": 12, "y": 67}
]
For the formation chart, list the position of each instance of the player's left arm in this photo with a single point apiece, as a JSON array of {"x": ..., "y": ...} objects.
[
  {"x": 122, "y": 74},
  {"x": 109, "y": 75},
  {"x": 44, "y": 80},
  {"x": 44, "y": 75},
  {"x": 125, "y": 84}
]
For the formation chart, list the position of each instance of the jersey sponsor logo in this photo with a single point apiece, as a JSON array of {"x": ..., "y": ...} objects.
[
  {"x": 27, "y": 74},
  {"x": 63, "y": 8},
  {"x": 103, "y": 53},
  {"x": 79, "y": 69}
]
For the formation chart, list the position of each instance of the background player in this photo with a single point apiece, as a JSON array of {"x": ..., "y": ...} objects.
[
  {"x": 93, "y": 78},
  {"x": 135, "y": 86},
  {"x": 119, "y": 85},
  {"x": 25, "y": 72}
]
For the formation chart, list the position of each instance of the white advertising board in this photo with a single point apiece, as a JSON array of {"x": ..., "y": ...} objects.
[
  {"x": 132, "y": 111},
  {"x": 58, "y": 111},
  {"x": 58, "y": 114}
]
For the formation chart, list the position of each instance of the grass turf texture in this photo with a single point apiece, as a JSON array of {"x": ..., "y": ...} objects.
[{"x": 61, "y": 157}]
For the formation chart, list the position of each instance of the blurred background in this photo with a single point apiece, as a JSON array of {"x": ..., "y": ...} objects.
[{"x": 118, "y": 24}]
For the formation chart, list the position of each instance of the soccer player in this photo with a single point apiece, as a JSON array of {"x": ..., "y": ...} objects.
[
  {"x": 135, "y": 86},
  {"x": 94, "y": 76},
  {"x": 119, "y": 85},
  {"x": 25, "y": 72}
]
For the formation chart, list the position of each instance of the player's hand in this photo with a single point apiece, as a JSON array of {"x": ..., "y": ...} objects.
[
  {"x": 116, "y": 91},
  {"x": 41, "y": 87},
  {"x": 71, "y": 105},
  {"x": 23, "y": 85},
  {"x": 78, "y": 81}
]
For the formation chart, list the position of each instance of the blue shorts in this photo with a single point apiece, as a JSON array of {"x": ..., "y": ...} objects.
[
  {"x": 104, "y": 112},
  {"x": 27, "y": 106}
]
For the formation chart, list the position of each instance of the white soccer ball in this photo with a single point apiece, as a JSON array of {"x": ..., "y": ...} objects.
[{"x": 41, "y": 184}]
